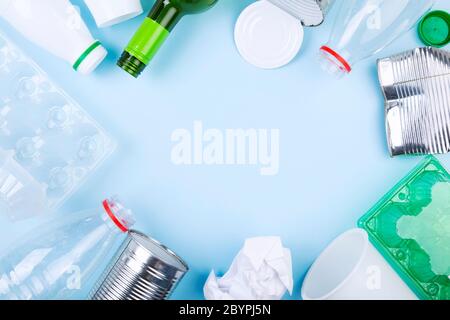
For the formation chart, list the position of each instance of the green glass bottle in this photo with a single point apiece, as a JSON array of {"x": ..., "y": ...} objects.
[{"x": 154, "y": 31}]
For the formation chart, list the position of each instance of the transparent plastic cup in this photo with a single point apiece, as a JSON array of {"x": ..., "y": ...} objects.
[{"x": 350, "y": 268}]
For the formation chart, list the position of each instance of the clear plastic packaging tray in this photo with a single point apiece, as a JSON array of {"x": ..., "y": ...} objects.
[
  {"x": 410, "y": 226},
  {"x": 48, "y": 143}
]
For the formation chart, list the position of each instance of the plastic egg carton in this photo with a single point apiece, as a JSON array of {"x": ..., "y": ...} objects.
[
  {"x": 410, "y": 226},
  {"x": 48, "y": 143}
]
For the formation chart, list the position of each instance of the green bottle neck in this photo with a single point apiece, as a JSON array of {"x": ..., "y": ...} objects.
[
  {"x": 155, "y": 29},
  {"x": 166, "y": 14}
]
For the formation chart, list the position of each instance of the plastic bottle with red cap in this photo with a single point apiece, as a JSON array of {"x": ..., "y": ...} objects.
[
  {"x": 58, "y": 259},
  {"x": 365, "y": 27}
]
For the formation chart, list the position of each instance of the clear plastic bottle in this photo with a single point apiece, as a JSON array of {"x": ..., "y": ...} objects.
[
  {"x": 365, "y": 27},
  {"x": 57, "y": 259}
]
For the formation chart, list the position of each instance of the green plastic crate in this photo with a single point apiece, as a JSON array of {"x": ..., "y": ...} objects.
[{"x": 410, "y": 226}]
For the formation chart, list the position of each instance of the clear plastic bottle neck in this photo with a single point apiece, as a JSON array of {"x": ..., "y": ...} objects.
[
  {"x": 116, "y": 215},
  {"x": 333, "y": 62}
]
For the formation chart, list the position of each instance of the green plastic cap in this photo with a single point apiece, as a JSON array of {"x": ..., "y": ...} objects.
[{"x": 434, "y": 29}]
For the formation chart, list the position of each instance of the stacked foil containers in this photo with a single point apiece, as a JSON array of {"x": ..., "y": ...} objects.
[
  {"x": 142, "y": 269},
  {"x": 416, "y": 87}
]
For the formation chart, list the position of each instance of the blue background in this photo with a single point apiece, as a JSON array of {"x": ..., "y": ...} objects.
[{"x": 334, "y": 161}]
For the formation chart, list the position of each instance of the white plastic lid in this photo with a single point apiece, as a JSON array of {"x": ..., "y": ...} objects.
[
  {"x": 266, "y": 36},
  {"x": 110, "y": 12},
  {"x": 92, "y": 60}
]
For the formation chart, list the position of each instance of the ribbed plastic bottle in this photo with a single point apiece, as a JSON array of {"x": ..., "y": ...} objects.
[
  {"x": 57, "y": 260},
  {"x": 155, "y": 29},
  {"x": 365, "y": 27}
]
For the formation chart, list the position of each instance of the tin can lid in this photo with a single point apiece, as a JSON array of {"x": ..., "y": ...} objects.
[
  {"x": 157, "y": 251},
  {"x": 267, "y": 36},
  {"x": 434, "y": 29}
]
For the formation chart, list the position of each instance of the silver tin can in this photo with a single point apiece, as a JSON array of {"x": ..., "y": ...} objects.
[
  {"x": 416, "y": 87},
  {"x": 142, "y": 269},
  {"x": 310, "y": 12}
]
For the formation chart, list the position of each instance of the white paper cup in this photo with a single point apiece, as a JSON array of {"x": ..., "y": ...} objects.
[
  {"x": 110, "y": 12},
  {"x": 351, "y": 268}
]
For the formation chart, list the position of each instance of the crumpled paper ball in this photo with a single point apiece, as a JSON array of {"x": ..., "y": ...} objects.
[{"x": 262, "y": 270}]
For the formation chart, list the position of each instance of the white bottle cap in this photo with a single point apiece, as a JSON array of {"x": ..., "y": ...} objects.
[
  {"x": 90, "y": 59},
  {"x": 110, "y": 12},
  {"x": 266, "y": 36}
]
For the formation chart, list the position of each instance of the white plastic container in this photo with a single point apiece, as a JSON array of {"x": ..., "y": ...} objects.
[
  {"x": 49, "y": 144},
  {"x": 57, "y": 27},
  {"x": 350, "y": 268},
  {"x": 110, "y": 12}
]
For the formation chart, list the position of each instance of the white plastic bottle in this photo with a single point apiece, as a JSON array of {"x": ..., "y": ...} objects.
[
  {"x": 58, "y": 259},
  {"x": 365, "y": 27},
  {"x": 57, "y": 27}
]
